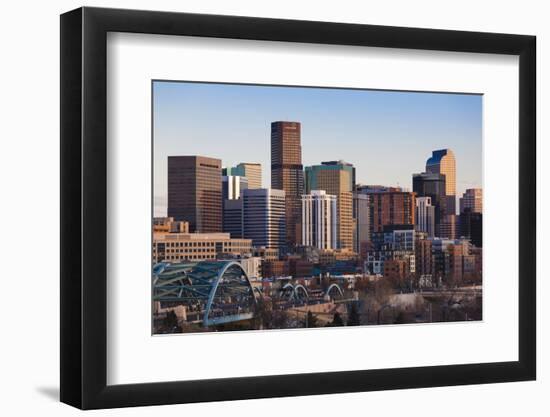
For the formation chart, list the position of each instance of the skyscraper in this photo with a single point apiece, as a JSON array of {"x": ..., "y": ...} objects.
[
  {"x": 472, "y": 199},
  {"x": 319, "y": 220},
  {"x": 251, "y": 170},
  {"x": 264, "y": 217},
  {"x": 443, "y": 162},
  {"x": 433, "y": 186},
  {"x": 195, "y": 192},
  {"x": 287, "y": 173},
  {"x": 425, "y": 216},
  {"x": 336, "y": 178}
]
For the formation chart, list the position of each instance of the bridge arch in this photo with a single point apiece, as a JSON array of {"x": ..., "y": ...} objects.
[
  {"x": 332, "y": 288},
  {"x": 258, "y": 291},
  {"x": 288, "y": 288},
  {"x": 220, "y": 290},
  {"x": 300, "y": 289}
]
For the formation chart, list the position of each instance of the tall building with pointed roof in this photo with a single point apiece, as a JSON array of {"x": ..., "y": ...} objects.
[{"x": 443, "y": 162}]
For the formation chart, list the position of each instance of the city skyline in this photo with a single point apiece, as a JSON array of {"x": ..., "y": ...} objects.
[
  {"x": 368, "y": 129},
  {"x": 340, "y": 225}
]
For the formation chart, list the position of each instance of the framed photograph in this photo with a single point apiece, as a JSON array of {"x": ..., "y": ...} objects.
[{"x": 260, "y": 208}]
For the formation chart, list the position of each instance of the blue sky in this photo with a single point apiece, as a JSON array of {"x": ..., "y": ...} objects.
[{"x": 387, "y": 135}]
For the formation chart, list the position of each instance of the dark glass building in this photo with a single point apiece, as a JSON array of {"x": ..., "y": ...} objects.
[
  {"x": 471, "y": 227},
  {"x": 287, "y": 174},
  {"x": 432, "y": 185},
  {"x": 233, "y": 217},
  {"x": 195, "y": 192}
]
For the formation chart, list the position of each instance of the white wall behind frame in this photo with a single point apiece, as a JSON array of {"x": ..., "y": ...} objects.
[{"x": 133, "y": 60}]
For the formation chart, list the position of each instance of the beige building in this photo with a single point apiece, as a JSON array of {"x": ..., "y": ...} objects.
[
  {"x": 267, "y": 254},
  {"x": 169, "y": 225},
  {"x": 336, "y": 178},
  {"x": 443, "y": 162},
  {"x": 253, "y": 172},
  {"x": 252, "y": 266},
  {"x": 176, "y": 247},
  {"x": 330, "y": 256}
]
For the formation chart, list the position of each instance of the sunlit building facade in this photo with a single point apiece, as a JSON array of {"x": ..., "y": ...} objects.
[
  {"x": 443, "y": 162},
  {"x": 252, "y": 171},
  {"x": 179, "y": 247}
]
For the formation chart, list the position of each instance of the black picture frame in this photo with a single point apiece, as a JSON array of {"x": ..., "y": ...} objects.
[{"x": 84, "y": 207}]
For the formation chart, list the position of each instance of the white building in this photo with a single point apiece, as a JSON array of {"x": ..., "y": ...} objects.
[
  {"x": 264, "y": 217},
  {"x": 233, "y": 186},
  {"x": 252, "y": 266},
  {"x": 319, "y": 220},
  {"x": 425, "y": 216}
]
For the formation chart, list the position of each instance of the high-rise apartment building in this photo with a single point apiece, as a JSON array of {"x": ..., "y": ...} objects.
[
  {"x": 443, "y": 162},
  {"x": 472, "y": 199},
  {"x": 264, "y": 217},
  {"x": 287, "y": 173},
  {"x": 390, "y": 206},
  {"x": 433, "y": 186},
  {"x": 423, "y": 256},
  {"x": 319, "y": 216},
  {"x": 425, "y": 216},
  {"x": 336, "y": 178},
  {"x": 250, "y": 170},
  {"x": 195, "y": 192},
  {"x": 448, "y": 259}
]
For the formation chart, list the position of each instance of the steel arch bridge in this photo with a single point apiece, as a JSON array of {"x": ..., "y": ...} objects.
[
  {"x": 299, "y": 292},
  {"x": 220, "y": 291},
  {"x": 334, "y": 288}
]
